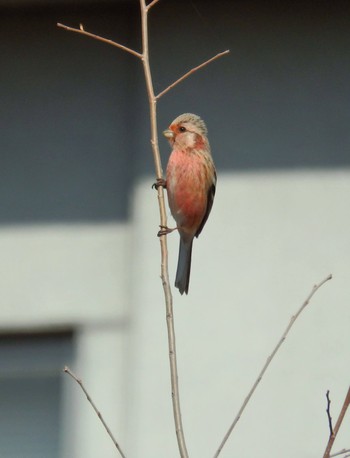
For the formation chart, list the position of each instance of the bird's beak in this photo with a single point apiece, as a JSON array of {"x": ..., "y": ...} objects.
[{"x": 169, "y": 134}]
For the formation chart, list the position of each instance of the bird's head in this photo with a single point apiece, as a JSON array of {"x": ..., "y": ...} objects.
[{"x": 187, "y": 131}]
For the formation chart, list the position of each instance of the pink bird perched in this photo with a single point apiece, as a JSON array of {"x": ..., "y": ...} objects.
[{"x": 190, "y": 184}]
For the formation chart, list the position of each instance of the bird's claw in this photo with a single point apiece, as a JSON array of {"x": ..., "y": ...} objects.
[
  {"x": 165, "y": 230},
  {"x": 159, "y": 182}
]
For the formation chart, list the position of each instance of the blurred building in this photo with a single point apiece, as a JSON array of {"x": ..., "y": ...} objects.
[{"x": 80, "y": 260}]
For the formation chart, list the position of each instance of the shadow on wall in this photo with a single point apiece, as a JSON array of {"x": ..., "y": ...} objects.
[
  {"x": 73, "y": 113},
  {"x": 66, "y": 152}
]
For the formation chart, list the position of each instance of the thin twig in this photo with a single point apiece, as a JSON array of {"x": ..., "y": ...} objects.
[
  {"x": 99, "y": 38},
  {"x": 337, "y": 425},
  {"x": 98, "y": 413},
  {"x": 341, "y": 452},
  {"x": 193, "y": 70},
  {"x": 328, "y": 410},
  {"x": 266, "y": 365}
]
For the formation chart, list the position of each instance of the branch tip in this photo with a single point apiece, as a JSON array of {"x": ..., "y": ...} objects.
[
  {"x": 98, "y": 413},
  {"x": 82, "y": 31},
  {"x": 190, "y": 72},
  {"x": 268, "y": 362}
]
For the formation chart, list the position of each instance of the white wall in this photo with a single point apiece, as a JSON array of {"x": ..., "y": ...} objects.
[
  {"x": 63, "y": 274},
  {"x": 269, "y": 239}
]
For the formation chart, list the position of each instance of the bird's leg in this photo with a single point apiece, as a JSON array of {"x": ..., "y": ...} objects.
[
  {"x": 165, "y": 230},
  {"x": 159, "y": 182}
]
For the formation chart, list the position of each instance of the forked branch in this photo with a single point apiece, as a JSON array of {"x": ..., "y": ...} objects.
[
  {"x": 152, "y": 98},
  {"x": 334, "y": 432},
  {"x": 149, "y": 6}
]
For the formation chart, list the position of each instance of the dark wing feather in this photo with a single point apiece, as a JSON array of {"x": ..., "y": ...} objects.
[{"x": 210, "y": 200}]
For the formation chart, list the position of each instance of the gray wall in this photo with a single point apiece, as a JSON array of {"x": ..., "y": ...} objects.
[
  {"x": 65, "y": 111},
  {"x": 73, "y": 113}
]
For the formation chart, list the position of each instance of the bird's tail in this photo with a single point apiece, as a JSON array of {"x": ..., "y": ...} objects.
[{"x": 184, "y": 265}]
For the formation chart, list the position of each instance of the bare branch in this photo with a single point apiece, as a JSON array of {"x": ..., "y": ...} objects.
[
  {"x": 328, "y": 410},
  {"x": 152, "y": 4},
  {"x": 98, "y": 413},
  {"x": 337, "y": 425},
  {"x": 144, "y": 56},
  {"x": 97, "y": 37},
  {"x": 341, "y": 452},
  {"x": 269, "y": 359},
  {"x": 175, "y": 394},
  {"x": 195, "y": 69}
]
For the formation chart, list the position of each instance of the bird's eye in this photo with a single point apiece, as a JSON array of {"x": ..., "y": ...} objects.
[{"x": 182, "y": 129}]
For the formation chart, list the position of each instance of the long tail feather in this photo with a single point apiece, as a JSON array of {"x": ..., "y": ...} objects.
[{"x": 184, "y": 266}]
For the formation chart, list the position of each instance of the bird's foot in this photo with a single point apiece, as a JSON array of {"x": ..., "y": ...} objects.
[
  {"x": 165, "y": 230},
  {"x": 159, "y": 182}
]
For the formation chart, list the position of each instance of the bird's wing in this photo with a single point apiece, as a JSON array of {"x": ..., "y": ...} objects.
[{"x": 210, "y": 200}]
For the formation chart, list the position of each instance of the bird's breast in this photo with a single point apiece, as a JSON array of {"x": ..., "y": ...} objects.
[{"x": 187, "y": 187}]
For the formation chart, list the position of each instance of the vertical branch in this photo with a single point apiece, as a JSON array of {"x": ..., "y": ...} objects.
[
  {"x": 328, "y": 410},
  {"x": 163, "y": 241}
]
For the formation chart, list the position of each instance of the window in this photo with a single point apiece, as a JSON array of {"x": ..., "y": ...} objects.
[{"x": 30, "y": 393}]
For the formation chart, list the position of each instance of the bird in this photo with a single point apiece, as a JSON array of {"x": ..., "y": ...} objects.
[{"x": 190, "y": 183}]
